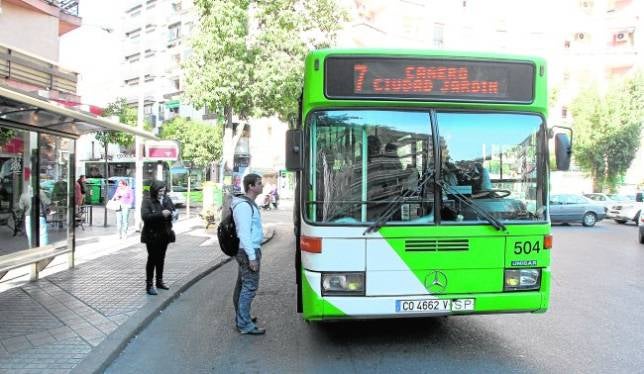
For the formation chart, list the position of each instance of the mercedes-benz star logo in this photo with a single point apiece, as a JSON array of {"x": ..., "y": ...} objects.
[{"x": 436, "y": 281}]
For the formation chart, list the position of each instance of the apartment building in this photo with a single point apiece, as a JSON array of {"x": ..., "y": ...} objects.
[
  {"x": 155, "y": 41},
  {"x": 602, "y": 42}
]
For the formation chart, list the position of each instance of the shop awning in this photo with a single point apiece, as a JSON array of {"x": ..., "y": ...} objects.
[
  {"x": 172, "y": 104},
  {"x": 28, "y": 109}
]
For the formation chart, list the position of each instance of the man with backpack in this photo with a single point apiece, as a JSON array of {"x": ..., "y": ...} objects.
[{"x": 248, "y": 223}]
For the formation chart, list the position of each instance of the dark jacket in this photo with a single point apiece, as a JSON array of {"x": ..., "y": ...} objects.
[{"x": 156, "y": 227}]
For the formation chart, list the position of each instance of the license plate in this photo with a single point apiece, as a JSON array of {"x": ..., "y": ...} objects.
[
  {"x": 434, "y": 305},
  {"x": 423, "y": 306}
]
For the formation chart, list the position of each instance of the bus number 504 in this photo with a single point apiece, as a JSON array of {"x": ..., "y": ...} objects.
[{"x": 526, "y": 247}]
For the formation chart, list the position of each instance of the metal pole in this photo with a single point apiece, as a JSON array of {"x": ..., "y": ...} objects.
[
  {"x": 105, "y": 189},
  {"x": 138, "y": 181},
  {"x": 188, "y": 197}
]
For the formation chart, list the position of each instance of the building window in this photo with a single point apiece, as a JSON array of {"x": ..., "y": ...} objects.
[
  {"x": 150, "y": 28},
  {"x": 188, "y": 27},
  {"x": 176, "y": 6},
  {"x": 132, "y": 82},
  {"x": 174, "y": 31},
  {"x": 564, "y": 111},
  {"x": 147, "y": 109},
  {"x": 149, "y": 78},
  {"x": 149, "y": 53},
  {"x": 438, "y": 35},
  {"x": 209, "y": 113},
  {"x": 151, "y": 4},
  {"x": 176, "y": 84},
  {"x": 176, "y": 59},
  {"x": 134, "y": 12},
  {"x": 132, "y": 58},
  {"x": 134, "y": 34}
]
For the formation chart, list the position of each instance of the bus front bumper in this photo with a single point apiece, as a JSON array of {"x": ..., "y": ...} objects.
[{"x": 317, "y": 307}]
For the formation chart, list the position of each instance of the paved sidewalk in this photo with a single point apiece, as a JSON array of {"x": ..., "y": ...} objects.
[{"x": 79, "y": 319}]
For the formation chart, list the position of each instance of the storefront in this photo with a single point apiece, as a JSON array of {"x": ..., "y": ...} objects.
[{"x": 37, "y": 163}]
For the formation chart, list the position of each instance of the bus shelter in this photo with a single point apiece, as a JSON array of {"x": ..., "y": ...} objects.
[{"x": 37, "y": 164}]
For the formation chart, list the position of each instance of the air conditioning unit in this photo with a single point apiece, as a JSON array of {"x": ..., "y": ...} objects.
[{"x": 621, "y": 37}]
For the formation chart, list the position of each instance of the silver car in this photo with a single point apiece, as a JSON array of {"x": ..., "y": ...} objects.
[{"x": 570, "y": 208}]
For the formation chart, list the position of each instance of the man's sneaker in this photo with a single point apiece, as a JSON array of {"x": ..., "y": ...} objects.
[{"x": 255, "y": 331}]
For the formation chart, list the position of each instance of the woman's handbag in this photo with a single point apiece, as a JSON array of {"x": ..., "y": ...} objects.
[
  {"x": 113, "y": 205},
  {"x": 171, "y": 236}
]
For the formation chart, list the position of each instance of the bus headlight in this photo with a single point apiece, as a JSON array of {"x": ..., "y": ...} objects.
[
  {"x": 342, "y": 284},
  {"x": 522, "y": 279}
]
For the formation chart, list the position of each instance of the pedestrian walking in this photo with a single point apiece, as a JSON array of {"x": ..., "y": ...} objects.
[
  {"x": 156, "y": 212},
  {"x": 80, "y": 190},
  {"x": 125, "y": 196},
  {"x": 248, "y": 223}
]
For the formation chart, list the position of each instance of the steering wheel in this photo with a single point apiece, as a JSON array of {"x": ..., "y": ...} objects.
[{"x": 493, "y": 193}]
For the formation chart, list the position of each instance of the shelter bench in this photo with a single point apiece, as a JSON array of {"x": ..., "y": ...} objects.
[{"x": 38, "y": 258}]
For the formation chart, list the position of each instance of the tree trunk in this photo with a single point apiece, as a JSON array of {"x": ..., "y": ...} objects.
[
  {"x": 228, "y": 148},
  {"x": 597, "y": 183}
]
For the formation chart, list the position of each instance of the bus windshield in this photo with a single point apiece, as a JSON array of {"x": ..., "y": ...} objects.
[{"x": 369, "y": 163}]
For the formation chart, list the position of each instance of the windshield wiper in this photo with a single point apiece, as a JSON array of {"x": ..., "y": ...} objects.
[
  {"x": 392, "y": 207},
  {"x": 470, "y": 203}
]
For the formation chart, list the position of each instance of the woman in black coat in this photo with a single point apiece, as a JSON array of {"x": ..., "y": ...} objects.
[{"x": 156, "y": 212}]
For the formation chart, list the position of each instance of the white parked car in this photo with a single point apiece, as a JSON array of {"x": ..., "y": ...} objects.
[
  {"x": 178, "y": 198},
  {"x": 602, "y": 199},
  {"x": 627, "y": 211}
]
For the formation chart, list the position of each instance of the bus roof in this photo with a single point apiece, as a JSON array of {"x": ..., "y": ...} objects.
[{"x": 437, "y": 53}]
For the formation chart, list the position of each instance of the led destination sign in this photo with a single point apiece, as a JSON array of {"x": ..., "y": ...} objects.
[{"x": 429, "y": 79}]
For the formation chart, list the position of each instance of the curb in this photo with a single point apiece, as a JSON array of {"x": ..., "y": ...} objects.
[{"x": 100, "y": 357}]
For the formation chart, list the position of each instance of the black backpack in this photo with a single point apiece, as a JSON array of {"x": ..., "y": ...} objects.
[{"x": 227, "y": 233}]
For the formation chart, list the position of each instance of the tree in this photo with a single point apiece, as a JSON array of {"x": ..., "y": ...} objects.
[
  {"x": 126, "y": 115},
  {"x": 201, "y": 143},
  {"x": 608, "y": 130},
  {"x": 6, "y": 135},
  {"x": 248, "y": 57}
]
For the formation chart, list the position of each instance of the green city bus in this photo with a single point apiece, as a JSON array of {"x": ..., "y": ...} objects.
[{"x": 422, "y": 184}]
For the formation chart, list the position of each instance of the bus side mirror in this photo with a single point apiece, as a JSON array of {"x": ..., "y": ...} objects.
[
  {"x": 293, "y": 150},
  {"x": 639, "y": 197},
  {"x": 563, "y": 151}
]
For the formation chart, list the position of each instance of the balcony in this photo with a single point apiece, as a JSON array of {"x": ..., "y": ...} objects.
[
  {"x": 66, "y": 6},
  {"x": 30, "y": 73},
  {"x": 65, "y": 10}
]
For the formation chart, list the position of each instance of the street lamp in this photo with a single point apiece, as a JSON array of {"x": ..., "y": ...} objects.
[{"x": 138, "y": 143}]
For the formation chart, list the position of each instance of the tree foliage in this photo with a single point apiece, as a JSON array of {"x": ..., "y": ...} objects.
[
  {"x": 607, "y": 130},
  {"x": 126, "y": 115},
  {"x": 6, "y": 135},
  {"x": 199, "y": 142},
  {"x": 248, "y": 57}
]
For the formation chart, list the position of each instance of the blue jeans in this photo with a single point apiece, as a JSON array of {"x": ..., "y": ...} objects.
[
  {"x": 245, "y": 290},
  {"x": 44, "y": 235},
  {"x": 122, "y": 221}
]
